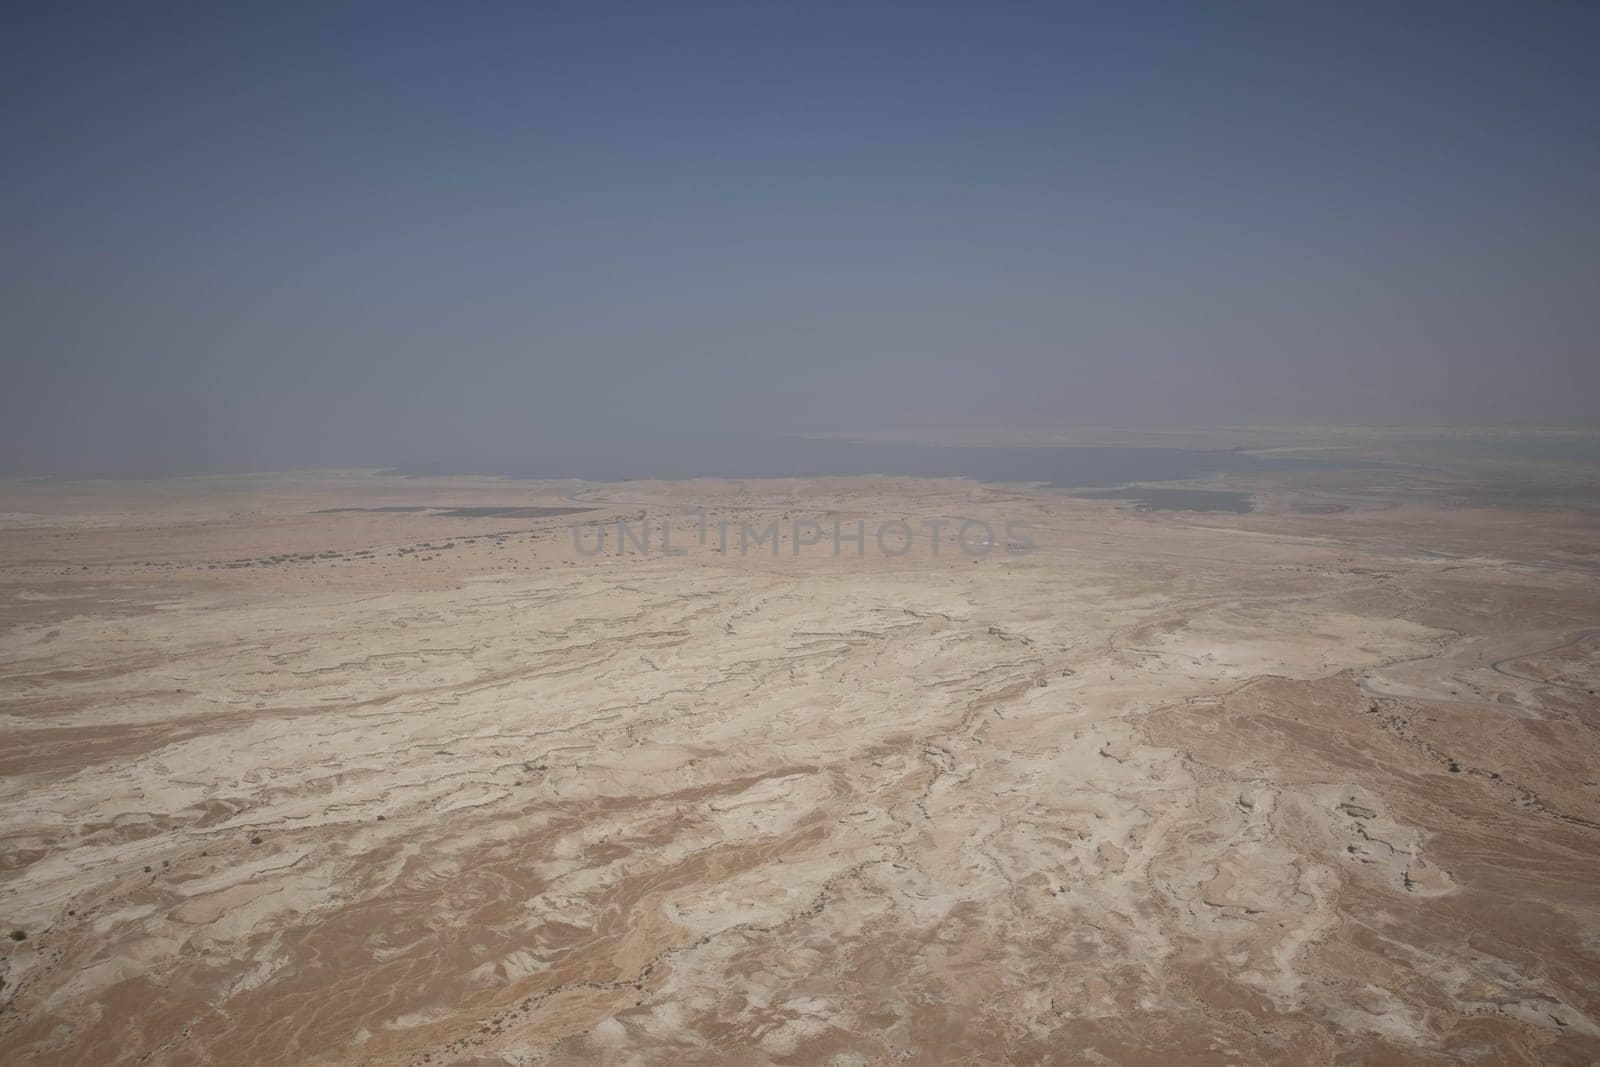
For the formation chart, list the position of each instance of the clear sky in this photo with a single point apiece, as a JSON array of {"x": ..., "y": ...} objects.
[{"x": 257, "y": 236}]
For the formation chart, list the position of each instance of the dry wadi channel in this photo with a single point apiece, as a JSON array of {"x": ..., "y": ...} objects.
[{"x": 343, "y": 768}]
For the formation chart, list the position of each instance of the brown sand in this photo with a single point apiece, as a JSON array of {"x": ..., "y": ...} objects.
[{"x": 1172, "y": 788}]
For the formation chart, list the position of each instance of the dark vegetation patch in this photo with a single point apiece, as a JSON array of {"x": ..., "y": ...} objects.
[{"x": 485, "y": 512}]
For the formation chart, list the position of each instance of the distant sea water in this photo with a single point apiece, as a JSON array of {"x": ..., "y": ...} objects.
[
  {"x": 1175, "y": 499},
  {"x": 1065, "y": 467},
  {"x": 1556, "y": 447}
]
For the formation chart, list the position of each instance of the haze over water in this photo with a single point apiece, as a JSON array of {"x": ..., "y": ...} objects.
[
  {"x": 290, "y": 236},
  {"x": 748, "y": 456}
]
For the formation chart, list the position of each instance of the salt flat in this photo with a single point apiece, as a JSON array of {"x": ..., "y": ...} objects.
[{"x": 291, "y": 780}]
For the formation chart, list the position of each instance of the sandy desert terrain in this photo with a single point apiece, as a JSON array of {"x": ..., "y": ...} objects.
[{"x": 309, "y": 769}]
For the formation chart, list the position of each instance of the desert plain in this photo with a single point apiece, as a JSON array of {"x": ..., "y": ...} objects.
[{"x": 349, "y": 768}]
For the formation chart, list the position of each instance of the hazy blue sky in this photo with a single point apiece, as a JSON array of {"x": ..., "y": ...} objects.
[{"x": 332, "y": 233}]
